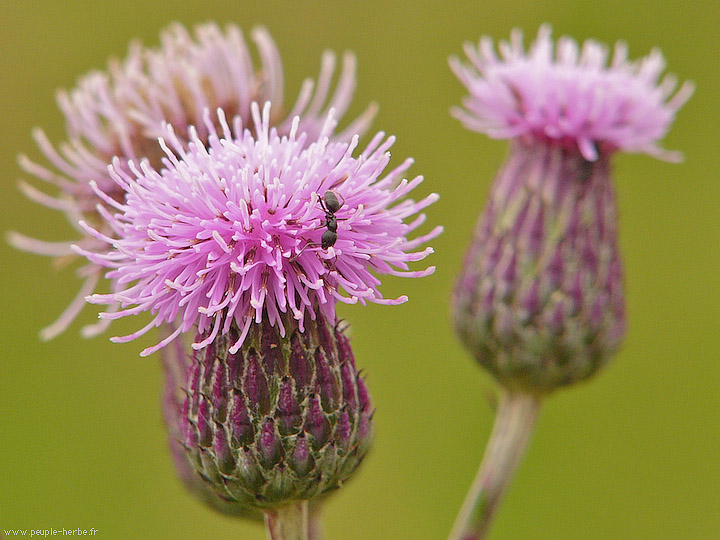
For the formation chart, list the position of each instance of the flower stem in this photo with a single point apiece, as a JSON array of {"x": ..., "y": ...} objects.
[
  {"x": 288, "y": 522},
  {"x": 516, "y": 416},
  {"x": 315, "y": 530}
]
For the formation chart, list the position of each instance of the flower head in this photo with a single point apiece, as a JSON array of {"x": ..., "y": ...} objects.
[
  {"x": 569, "y": 94},
  {"x": 120, "y": 112},
  {"x": 234, "y": 231}
]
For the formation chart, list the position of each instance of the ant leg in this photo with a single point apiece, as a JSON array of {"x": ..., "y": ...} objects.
[
  {"x": 342, "y": 326},
  {"x": 307, "y": 245},
  {"x": 322, "y": 203},
  {"x": 331, "y": 267}
]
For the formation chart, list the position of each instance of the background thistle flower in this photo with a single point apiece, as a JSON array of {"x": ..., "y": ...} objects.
[
  {"x": 231, "y": 233},
  {"x": 540, "y": 301},
  {"x": 565, "y": 94},
  {"x": 120, "y": 112}
]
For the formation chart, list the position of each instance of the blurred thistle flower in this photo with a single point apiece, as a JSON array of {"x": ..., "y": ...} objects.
[
  {"x": 569, "y": 96},
  {"x": 540, "y": 300},
  {"x": 121, "y": 113},
  {"x": 233, "y": 233}
]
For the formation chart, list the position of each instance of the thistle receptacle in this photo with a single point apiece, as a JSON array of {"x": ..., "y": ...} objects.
[{"x": 283, "y": 419}]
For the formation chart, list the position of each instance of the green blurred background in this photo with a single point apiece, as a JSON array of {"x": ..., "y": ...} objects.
[{"x": 634, "y": 454}]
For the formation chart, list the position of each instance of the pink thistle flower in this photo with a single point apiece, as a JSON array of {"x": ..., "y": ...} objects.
[
  {"x": 120, "y": 112},
  {"x": 569, "y": 94},
  {"x": 231, "y": 231},
  {"x": 540, "y": 299}
]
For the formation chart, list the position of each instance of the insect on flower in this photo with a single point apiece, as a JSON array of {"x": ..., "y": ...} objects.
[{"x": 330, "y": 206}]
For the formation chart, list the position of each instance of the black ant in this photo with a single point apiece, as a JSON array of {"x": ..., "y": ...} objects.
[{"x": 330, "y": 204}]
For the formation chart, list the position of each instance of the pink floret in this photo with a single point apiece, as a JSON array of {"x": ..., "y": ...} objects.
[
  {"x": 229, "y": 232},
  {"x": 568, "y": 93}
]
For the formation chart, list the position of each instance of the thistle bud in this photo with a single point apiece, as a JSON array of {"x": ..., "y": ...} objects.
[{"x": 285, "y": 418}]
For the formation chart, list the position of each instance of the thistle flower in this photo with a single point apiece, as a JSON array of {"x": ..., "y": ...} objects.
[
  {"x": 121, "y": 112},
  {"x": 540, "y": 300},
  {"x": 233, "y": 232},
  {"x": 285, "y": 418},
  {"x": 230, "y": 237}
]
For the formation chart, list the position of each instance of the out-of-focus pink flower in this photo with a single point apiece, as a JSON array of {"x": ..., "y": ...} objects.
[
  {"x": 540, "y": 300},
  {"x": 569, "y": 93}
]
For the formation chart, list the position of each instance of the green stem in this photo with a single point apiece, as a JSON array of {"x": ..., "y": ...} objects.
[
  {"x": 315, "y": 531},
  {"x": 516, "y": 416},
  {"x": 288, "y": 522}
]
